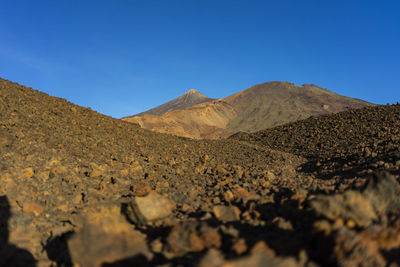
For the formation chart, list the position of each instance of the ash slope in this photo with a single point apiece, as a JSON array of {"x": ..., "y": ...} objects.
[
  {"x": 188, "y": 99},
  {"x": 261, "y": 106},
  {"x": 74, "y": 182}
]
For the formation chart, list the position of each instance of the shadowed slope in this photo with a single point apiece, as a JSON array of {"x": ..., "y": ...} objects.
[{"x": 335, "y": 134}]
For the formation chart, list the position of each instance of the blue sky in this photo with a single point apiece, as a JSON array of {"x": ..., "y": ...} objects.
[{"x": 122, "y": 57}]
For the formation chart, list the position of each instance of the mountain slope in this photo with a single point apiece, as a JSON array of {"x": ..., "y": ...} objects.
[
  {"x": 206, "y": 120},
  {"x": 188, "y": 99},
  {"x": 78, "y": 188},
  {"x": 259, "y": 107},
  {"x": 60, "y": 163},
  {"x": 275, "y": 103}
]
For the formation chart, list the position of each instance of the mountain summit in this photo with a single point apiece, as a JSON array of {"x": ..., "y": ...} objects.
[
  {"x": 259, "y": 107},
  {"x": 188, "y": 99}
]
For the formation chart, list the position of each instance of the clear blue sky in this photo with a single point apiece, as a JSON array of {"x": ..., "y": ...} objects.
[{"x": 121, "y": 57}]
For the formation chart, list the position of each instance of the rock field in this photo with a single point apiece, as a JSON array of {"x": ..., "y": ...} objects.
[{"x": 78, "y": 188}]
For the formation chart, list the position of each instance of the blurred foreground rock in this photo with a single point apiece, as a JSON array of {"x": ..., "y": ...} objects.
[{"x": 106, "y": 237}]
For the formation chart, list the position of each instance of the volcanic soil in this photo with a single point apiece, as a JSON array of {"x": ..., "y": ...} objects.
[{"x": 78, "y": 188}]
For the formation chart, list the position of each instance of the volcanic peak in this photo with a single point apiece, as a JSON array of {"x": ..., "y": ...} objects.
[
  {"x": 192, "y": 91},
  {"x": 188, "y": 99}
]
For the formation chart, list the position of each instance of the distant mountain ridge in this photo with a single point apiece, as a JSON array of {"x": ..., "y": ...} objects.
[
  {"x": 188, "y": 99},
  {"x": 259, "y": 107}
]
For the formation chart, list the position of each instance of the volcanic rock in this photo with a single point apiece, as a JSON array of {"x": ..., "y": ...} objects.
[
  {"x": 191, "y": 237},
  {"x": 347, "y": 206},
  {"x": 149, "y": 208},
  {"x": 213, "y": 258},
  {"x": 106, "y": 237},
  {"x": 383, "y": 192},
  {"x": 261, "y": 260},
  {"x": 239, "y": 246},
  {"x": 226, "y": 213}
]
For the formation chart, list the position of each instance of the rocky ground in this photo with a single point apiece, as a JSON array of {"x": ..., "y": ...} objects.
[{"x": 78, "y": 188}]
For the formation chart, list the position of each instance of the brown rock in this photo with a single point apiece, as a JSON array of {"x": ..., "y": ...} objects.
[
  {"x": 210, "y": 236},
  {"x": 23, "y": 233},
  {"x": 27, "y": 174},
  {"x": 383, "y": 192},
  {"x": 227, "y": 213},
  {"x": 191, "y": 237},
  {"x": 213, "y": 258},
  {"x": 185, "y": 208},
  {"x": 3, "y": 141},
  {"x": 283, "y": 224},
  {"x": 270, "y": 175},
  {"x": 106, "y": 237},
  {"x": 228, "y": 196},
  {"x": 33, "y": 207},
  {"x": 223, "y": 183},
  {"x": 92, "y": 246},
  {"x": 350, "y": 205},
  {"x": 150, "y": 208},
  {"x": 241, "y": 193},
  {"x": 97, "y": 170},
  {"x": 239, "y": 246},
  {"x": 141, "y": 189},
  {"x": 156, "y": 245},
  {"x": 261, "y": 246},
  {"x": 262, "y": 260},
  {"x": 352, "y": 250},
  {"x": 183, "y": 239}
]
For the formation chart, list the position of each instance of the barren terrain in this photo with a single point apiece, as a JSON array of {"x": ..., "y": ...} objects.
[
  {"x": 259, "y": 107},
  {"x": 80, "y": 188}
]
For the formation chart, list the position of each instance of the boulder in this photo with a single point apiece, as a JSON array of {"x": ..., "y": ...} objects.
[{"x": 150, "y": 208}]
